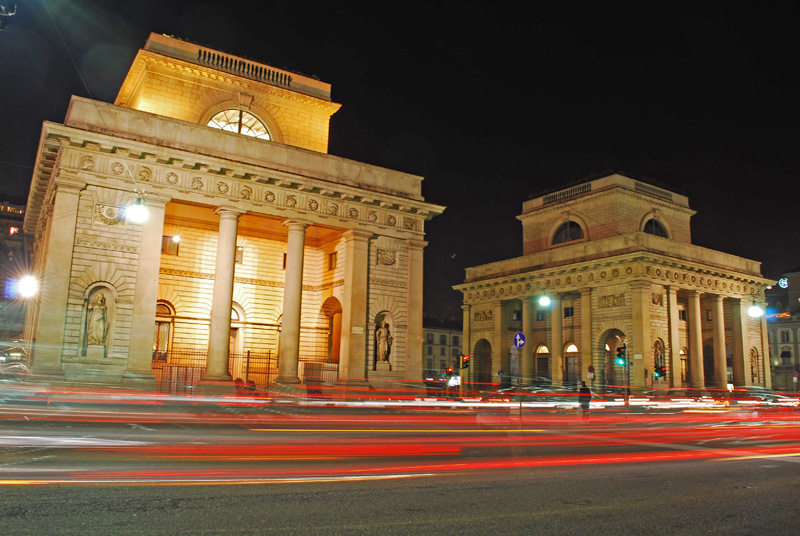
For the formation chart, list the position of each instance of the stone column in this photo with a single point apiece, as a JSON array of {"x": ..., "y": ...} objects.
[
  {"x": 289, "y": 352},
  {"x": 220, "y": 329},
  {"x": 641, "y": 292},
  {"x": 741, "y": 373},
  {"x": 528, "y": 310},
  {"x": 556, "y": 340},
  {"x": 140, "y": 353},
  {"x": 55, "y": 278},
  {"x": 587, "y": 344},
  {"x": 414, "y": 300},
  {"x": 465, "y": 339},
  {"x": 674, "y": 352},
  {"x": 697, "y": 377},
  {"x": 720, "y": 351}
]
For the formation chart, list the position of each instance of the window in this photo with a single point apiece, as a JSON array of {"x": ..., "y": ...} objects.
[
  {"x": 455, "y": 352},
  {"x": 455, "y": 340},
  {"x": 430, "y": 350},
  {"x": 708, "y": 315},
  {"x": 572, "y": 349},
  {"x": 429, "y": 338},
  {"x": 169, "y": 244},
  {"x": 540, "y": 316},
  {"x": 785, "y": 336},
  {"x": 656, "y": 228},
  {"x": 13, "y": 231},
  {"x": 240, "y": 122},
  {"x": 443, "y": 351},
  {"x": 161, "y": 341},
  {"x": 284, "y": 261},
  {"x": 569, "y": 312},
  {"x": 332, "y": 261},
  {"x": 567, "y": 232},
  {"x": 429, "y": 364},
  {"x": 443, "y": 339},
  {"x": 516, "y": 315},
  {"x": 443, "y": 363},
  {"x": 682, "y": 314},
  {"x": 239, "y": 254}
]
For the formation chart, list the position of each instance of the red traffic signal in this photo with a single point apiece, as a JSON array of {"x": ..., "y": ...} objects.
[{"x": 464, "y": 361}]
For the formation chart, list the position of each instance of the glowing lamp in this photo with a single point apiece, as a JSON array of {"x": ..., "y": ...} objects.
[
  {"x": 544, "y": 301},
  {"x": 28, "y": 286},
  {"x": 137, "y": 213}
]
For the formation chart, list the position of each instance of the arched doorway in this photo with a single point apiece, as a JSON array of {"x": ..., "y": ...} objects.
[
  {"x": 610, "y": 376},
  {"x": 332, "y": 309},
  {"x": 542, "y": 357},
  {"x": 572, "y": 364},
  {"x": 482, "y": 361}
]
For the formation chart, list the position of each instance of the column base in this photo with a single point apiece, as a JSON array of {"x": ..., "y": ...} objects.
[
  {"x": 291, "y": 380},
  {"x": 140, "y": 380},
  {"x": 215, "y": 387}
]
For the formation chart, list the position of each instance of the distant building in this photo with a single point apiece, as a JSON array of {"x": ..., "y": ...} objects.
[
  {"x": 13, "y": 265},
  {"x": 783, "y": 323},
  {"x": 443, "y": 340},
  {"x": 263, "y": 256},
  {"x": 615, "y": 258}
]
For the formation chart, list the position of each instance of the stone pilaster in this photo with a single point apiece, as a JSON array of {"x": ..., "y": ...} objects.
[
  {"x": 528, "y": 310},
  {"x": 556, "y": 340},
  {"x": 587, "y": 346},
  {"x": 353, "y": 356},
  {"x": 414, "y": 297},
  {"x": 674, "y": 352},
  {"x": 139, "y": 369},
  {"x": 55, "y": 278}
]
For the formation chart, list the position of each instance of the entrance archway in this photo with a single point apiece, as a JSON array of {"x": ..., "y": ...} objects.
[
  {"x": 482, "y": 359},
  {"x": 608, "y": 375},
  {"x": 332, "y": 310}
]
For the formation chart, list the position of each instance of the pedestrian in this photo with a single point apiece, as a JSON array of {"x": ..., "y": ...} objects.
[{"x": 584, "y": 397}]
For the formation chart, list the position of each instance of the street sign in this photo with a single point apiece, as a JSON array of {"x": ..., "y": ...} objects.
[
  {"x": 591, "y": 368},
  {"x": 519, "y": 340}
]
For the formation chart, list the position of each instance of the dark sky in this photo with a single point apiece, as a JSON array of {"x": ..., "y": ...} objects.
[{"x": 489, "y": 104}]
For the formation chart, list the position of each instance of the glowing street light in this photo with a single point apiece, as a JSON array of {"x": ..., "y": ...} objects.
[
  {"x": 544, "y": 301},
  {"x": 28, "y": 286},
  {"x": 755, "y": 311},
  {"x": 137, "y": 213}
]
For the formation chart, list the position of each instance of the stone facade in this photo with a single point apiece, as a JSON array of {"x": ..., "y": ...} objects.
[
  {"x": 783, "y": 324},
  {"x": 262, "y": 246},
  {"x": 614, "y": 256}
]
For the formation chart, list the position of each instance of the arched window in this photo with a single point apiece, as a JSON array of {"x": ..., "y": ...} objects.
[
  {"x": 240, "y": 122},
  {"x": 161, "y": 342},
  {"x": 572, "y": 348},
  {"x": 656, "y": 228},
  {"x": 567, "y": 232}
]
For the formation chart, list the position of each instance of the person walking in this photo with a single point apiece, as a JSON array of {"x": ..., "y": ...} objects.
[{"x": 584, "y": 397}]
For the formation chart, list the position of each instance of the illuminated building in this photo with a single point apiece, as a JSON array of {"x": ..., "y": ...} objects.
[
  {"x": 13, "y": 265},
  {"x": 615, "y": 257},
  {"x": 783, "y": 324},
  {"x": 442, "y": 344},
  {"x": 259, "y": 244}
]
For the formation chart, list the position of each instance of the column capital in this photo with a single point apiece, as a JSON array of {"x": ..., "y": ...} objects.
[
  {"x": 227, "y": 212},
  {"x": 69, "y": 184},
  {"x": 153, "y": 200},
  {"x": 296, "y": 223},
  {"x": 357, "y": 234},
  {"x": 416, "y": 244}
]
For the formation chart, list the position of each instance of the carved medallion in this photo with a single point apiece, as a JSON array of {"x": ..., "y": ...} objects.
[
  {"x": 86, "y": 163},
  {"x": 144, "y": 174},
  {"x": 333, "y": 209},
  {"x": 391, "y": 220},
  {"x": 223, "y": 187},
  {"x": 246, "y": 192},
  {"x": 117, "y": 168},
  {"x": 387, "y": 257},
  {"x": 291, "y": 201},
  {"x": 172, "y": 178},
  {"x": 197, "y": 183},
  {"x": 353, "y": 213},
  {"x": 313, "y": 205},
  {"x": 108, "y": 215},
  {"x": 372, "y": 216},
  {"x": 269, "y": 197}
]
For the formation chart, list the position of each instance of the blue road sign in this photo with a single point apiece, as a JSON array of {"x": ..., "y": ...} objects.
[{"x": 519, "y": 340}]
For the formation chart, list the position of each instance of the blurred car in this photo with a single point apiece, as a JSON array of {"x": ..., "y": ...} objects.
[{"x": 11, "y": 353}]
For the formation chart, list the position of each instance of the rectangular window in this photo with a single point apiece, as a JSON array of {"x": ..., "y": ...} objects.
[
  {"x": 443, "y": 363},
  {"x": 429, "y": 338},
  {"x": 455, "y": 340},
  {"x": 569, "y": 312},
  {"x": 169, "y": 245},
  {"x": 239, "y": 254},
  {"x": 785, "y": 336},
  {"x": 442, "y": 351},
  {"x": 284, "y": 261},
  {"x": 682, "y": 314},
  {"x": 430, "y": 364},
  {"x": 708, "y": 315},
  {"x": 540, "y": 316},
  {"x": 443, "y": 339},
  {"x": 430, "y": 350},
  {"x": 516, "y": 315},
  {"x": 332, "y": 261}
]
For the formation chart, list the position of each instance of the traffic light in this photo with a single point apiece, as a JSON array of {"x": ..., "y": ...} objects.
[
  {"x": 449, "y": 371},
  {"x": 663, "y": 373},
  {"x": 464, "y": 361},
  {"x": 621, "y": 355},
  {"x": 656, "y": 371}
]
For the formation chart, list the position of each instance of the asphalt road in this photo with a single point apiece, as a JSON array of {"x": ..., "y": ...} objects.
[{"x": 78, "y": 467}]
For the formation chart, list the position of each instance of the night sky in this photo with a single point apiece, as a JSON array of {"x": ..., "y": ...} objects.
[{"x": 490, "y": 104}]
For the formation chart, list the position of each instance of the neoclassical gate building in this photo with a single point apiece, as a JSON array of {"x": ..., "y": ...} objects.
[
  {"x": 614, "y": 256},
  {"x": 257, "y": 240}
]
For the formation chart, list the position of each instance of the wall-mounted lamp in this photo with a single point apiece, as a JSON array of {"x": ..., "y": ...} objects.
[{"x": 137, "y": 213}]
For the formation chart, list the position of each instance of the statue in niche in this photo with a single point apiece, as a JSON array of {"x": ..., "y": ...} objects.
[
  {"x": 384, "y": 338},
  {"x": 97, "y": 321}
]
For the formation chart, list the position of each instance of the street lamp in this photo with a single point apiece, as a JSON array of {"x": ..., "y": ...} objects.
[
  {"x": 28, "y": 286},
  {"x": 544, "y": 301},
  {"x": 137, "y": 213}
]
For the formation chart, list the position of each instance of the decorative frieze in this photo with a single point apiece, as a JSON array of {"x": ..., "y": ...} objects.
[
  {"x": 614, "y": 300},
  {"x": 108, "y": 214}
]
